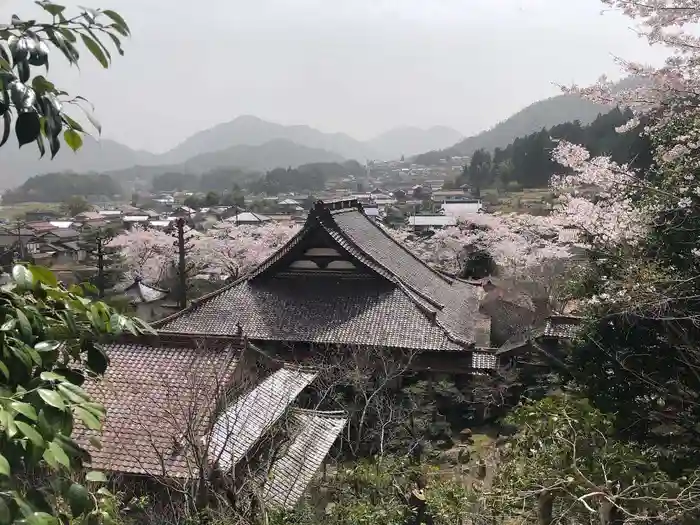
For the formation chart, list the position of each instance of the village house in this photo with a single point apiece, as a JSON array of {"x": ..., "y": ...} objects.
[
  {"x": 248, "y": 217},
  {"x": 423, "y": 223}
]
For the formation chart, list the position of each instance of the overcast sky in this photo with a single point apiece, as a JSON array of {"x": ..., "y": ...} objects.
[{"x": 356, "y": 66}]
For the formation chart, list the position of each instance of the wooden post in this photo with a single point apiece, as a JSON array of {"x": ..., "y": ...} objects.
[
  {"x": 181, "y": 266},
  {"x": 545, "y": 502},
  {"x": 100, "y": 266}
]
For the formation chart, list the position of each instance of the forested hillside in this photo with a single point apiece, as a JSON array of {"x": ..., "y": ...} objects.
[
  {"x": 58, "y": 187},
  {"x": 527, "y": 161}
]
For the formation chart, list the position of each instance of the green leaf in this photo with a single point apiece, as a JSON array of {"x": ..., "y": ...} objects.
[
  {"x": 96, "y": 476},
  {"x": 51, "y": 376},
  {"x": 7, "y": 123},
  {"x": 4, "y": 466},
  {"x": 53, "y": 9},
  {"x": 95, "y": 49},
  {"x": 59, "y": 454},
  {"x": 51, "y": 397},
  {"x": 88, "y": 418},
  {"x": 41, "y": 85},
  {"x": 117, "y": 43},
  {"x": 47, "y": 346},
  {"x": 43, "y": 274},
  {"x": 41, "y": 518},
  {"x": 73, "y": 392},
  {"x": 24, "y": 326},
  {"x": 97, "y": 360},
  {"x": 31, "y": 433},
  {"x": 8, "y": 325},
  {"x": 5, "y": 515},
  {"x": 95, "y": 442},
  {"x": 79, "y": 500},
  {"x": 5, "y": 371},
  {"x": 117, "y": 19},
  {"x": 8, "y": 422},
  {"x": 73, "y": 139},
  {"x": 72, "y": 123},
  {"x": 51, "y": 459},
  {"x": 27, "y": 127},
  {"x": 22, "y": 276},
  {"x": 25, "y": 409}
]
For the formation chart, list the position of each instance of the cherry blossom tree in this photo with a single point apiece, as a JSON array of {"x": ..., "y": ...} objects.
[
  {"x": 148, "y": 253},
  {"x": 223, "y": 251},
  {"x": 516, "y": 242},
  {"x": 637, "y": 356}
]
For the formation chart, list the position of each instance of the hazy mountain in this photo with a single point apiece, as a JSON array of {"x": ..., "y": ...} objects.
[
  {"x": 20, "y": 164},
  {"x": 252, "y": 131},
  {"x": 408, "y": 140},
  {"x": 272, "y": 154},
  {"x": 543, "y": 114}
]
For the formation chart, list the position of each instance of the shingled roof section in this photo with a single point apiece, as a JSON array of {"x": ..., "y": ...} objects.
[
  {"x": 245, "y": 421},
  {"x": 153, "y": 393},
  {"x": 395, "y": 301},
  {"x": 562, "y": 326},
  {"x": 313, "y": 434}
]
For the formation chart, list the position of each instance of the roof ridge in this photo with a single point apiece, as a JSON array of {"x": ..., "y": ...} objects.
[
  {"x": 204, "y": 298},
  {"x": 330, "y": 414},
  {"x": 393, "y": 277}
]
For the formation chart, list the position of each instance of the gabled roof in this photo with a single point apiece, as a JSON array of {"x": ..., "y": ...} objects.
[
  {"x": 248, "y": 216},
  {"x": 392, "y": 299},
  {"x": 61, "y": 233},
  {"x": 144, "y": 293}
]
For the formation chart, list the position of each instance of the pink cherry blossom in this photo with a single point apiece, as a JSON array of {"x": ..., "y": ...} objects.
[{"x": 223, "y": 251}]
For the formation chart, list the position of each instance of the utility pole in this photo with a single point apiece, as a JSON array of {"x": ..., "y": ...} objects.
[
  {"x": 19, "y": 240},
  {"x": 100, "y": 265},
  {"x": 181, "y": 265}
]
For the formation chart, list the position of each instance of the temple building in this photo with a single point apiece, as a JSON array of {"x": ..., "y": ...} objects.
[{"x": 343, "y": 281}]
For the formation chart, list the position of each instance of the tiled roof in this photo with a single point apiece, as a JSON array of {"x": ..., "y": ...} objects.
[
  {"x": 151, "y": 394},
  {"x": 245, "y": 421},
  {"x": 320, "y": 309},
  {"x": 312, "y": 437},
  {"x": 483, "y": 360},
  {"x": 399, "y": 302},
  {"x": 145, "y": 293},
  {"x": 562, "y": 326}
]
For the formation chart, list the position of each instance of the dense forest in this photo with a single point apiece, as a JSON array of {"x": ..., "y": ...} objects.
[
  {"x": 527, "y": 162},
  {"x": 309, "y": 177},
  {"x": 59, "y": 187}
]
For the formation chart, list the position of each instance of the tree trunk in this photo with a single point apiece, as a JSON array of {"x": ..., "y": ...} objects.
[{"x": 545, "y": 502}]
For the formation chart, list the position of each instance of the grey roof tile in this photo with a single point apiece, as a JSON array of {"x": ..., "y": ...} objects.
[
  {"x": 562, "y": 326},
  {"x": 147, "y": 392},
  {"x": 313, "y": 435},
  {"x": 320, "y": 309},
  {"x": 242, "y": 424}
]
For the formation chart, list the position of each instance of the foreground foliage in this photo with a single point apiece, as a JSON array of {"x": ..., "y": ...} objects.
[
  {"x": 35, "y": 104},
  {"x": 51, "y": 344}
]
